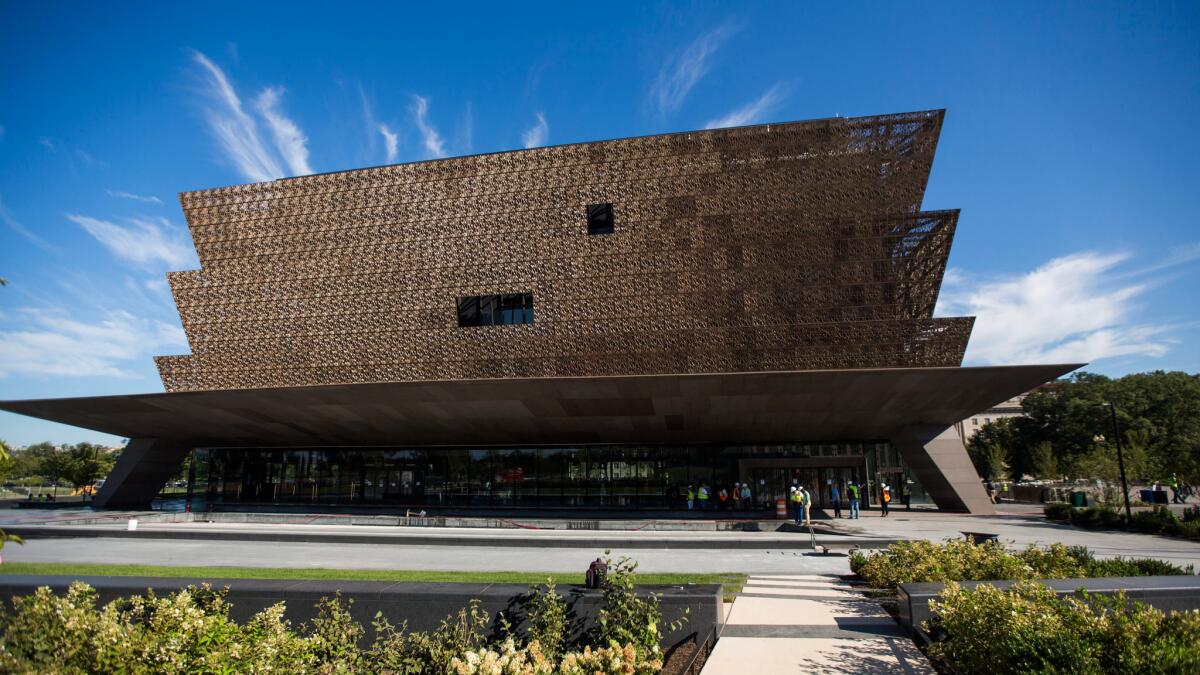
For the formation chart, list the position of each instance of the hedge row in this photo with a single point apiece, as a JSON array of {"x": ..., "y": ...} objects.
[
  {"x": 960, "y": 560},
  {"x": 1159, "y": 520},
  {"x": 1027, "y": 629}
]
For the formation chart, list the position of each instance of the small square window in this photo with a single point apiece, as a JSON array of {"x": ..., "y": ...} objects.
[{"x": 600, "y": 218}]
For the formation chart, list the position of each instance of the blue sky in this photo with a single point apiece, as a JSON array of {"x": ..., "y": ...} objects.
[{"x": 1070, "y": 145}]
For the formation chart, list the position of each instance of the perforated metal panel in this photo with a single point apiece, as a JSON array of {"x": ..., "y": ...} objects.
[{"x": 791, "y": 246}]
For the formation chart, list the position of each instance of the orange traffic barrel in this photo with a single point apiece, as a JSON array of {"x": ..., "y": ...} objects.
[{"x": 781, "y": 508}]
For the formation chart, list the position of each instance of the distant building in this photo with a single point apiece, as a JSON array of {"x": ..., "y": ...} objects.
[{"x": 971, "y": 425}]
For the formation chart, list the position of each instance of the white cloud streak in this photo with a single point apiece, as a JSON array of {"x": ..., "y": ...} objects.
[
  {"x": 289, "y": 140},
  {"x": 391, "y": 141},
  {"x": 683, "y": 69},
  {"x": 52, "y": 342},
  {"x": 753, "y": 111},
  {"x": 430, "y": 138},
  {"x": 536, "y": 135},
  {"x": 137, "y": 198},
  {"x": 13, "y": 224},
  {"x": 146, "y": 242},
  {"x": 1071, "y": 309},
  {"x": 237, "y": 131}
]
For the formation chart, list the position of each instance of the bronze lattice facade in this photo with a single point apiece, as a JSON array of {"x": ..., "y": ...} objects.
[{"x": 783, "y": 247}]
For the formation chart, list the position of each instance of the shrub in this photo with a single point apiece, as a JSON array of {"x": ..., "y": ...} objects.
[
  {"x": 1028, "y": 629},
  {"x": 960, "y": 560},
  {"x": 547, "y": 619},
  {"x": 1191, "y": 514},
  {"x": 510, "y": 659},
  {"x": 625, "y": 618},
  {"x": 1058, "y": 510},
  {"x": 1097, "y": 518},
  {"x": 1154, "y": 521}
]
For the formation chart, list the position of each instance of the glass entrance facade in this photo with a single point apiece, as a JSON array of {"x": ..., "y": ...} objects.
[{"x": 577, "y": 476}]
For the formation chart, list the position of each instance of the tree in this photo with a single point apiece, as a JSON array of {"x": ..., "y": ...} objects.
[
  {"x": 53, "y": 463},
  {"x": 1043, "y": 462},
  {"x": 4, "y": 536},
  {"x": 6, "y": 461},
  {"x": 84, "y": 465}
]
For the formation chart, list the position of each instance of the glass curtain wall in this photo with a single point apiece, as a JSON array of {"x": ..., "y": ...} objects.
[{"x": 608, "y": 476}]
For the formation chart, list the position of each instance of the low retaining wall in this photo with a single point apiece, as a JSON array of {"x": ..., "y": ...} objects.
[
  {"x": 422, "y": 605},
  {"x": 1169, "y": 593}
]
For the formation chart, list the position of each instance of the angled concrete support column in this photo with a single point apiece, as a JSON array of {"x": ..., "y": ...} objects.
[
  {"x": 143, "y": 468},
  {"x": 940, "y": 461}
]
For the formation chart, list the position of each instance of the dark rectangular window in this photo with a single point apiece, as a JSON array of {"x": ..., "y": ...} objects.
[
  {"x": 495, "y": 310},
  {"x": 600, "y": 218},
  {"x": 468, "y": 311}
]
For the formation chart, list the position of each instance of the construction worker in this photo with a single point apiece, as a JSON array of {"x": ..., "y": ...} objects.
[
  {"x": 885, "y": 498},
  {"x": 852, "y": 493},
  {"x": 1176, "y": 497},
  {"x": 797, "y": 503},
  {"x": 806, "y": 503},
  {"x": 691, "y": 497},
  {"x": 702, "y": 495}
]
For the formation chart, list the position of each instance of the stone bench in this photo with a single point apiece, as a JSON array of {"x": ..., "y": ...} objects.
[
  {"x": 422, "y": 605},
  {"x": 1168, "y": 593}
]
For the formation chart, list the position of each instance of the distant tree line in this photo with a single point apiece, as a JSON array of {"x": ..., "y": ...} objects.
[
  {"x": 48, "y": 465},
  {"x": 1067, "y": 430}
]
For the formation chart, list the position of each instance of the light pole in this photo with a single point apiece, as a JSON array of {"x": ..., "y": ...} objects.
[{"x": 1112, "y": 408}]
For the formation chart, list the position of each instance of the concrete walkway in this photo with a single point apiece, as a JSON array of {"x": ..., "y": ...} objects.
[{"x": 803, "y": 623}]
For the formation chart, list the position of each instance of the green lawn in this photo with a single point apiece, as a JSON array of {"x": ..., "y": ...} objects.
[{"x": 732, "y": 582}]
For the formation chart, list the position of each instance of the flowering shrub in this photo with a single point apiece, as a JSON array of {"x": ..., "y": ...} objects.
[
  {"x": 1027, "y": 629},
  {"x": 960, "y": 560},
  {"x": 509, "y": 659}
]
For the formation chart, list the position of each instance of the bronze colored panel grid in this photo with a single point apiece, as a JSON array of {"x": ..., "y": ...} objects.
[{"x": 790, "y": 246}]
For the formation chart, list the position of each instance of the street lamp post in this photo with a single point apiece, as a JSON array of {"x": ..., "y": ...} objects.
[{"x": 1112, "y": 408}]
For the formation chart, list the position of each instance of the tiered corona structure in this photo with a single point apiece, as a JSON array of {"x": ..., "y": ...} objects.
[
  {"x": 595, "y": 326},
  {"x": 797, "y": 246}
]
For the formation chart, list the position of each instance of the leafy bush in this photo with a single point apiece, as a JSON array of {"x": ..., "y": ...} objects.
[
  {"x": 1028, "y": 629},
  {"x": 1097, "y": 518},
  {"x": 624, "y": 617},
  {"x": 1191, "y": 514},
  {"x": 548, "y": 619},
  {"x": 858, "y": 560},
  {"x": 960, "y": 560},
  {"x": 190, "y": 631},
  {"x": 1158, "y": 519},
  {"x": 1058, "y": 510}
]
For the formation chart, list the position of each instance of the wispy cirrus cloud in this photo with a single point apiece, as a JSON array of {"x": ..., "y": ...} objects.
[
  {"x": 430, "y": 138},
  {"x": 144, "y": 242},
  {"x": 391, "y": 141},
  {"x": 753, "y": 111},
  {"x": 289, "y": 140},
  {"x": 536, "y": 135},
  {"x": 15, "y": 225},
  {"x": 1074, "y": 308},
  {"x": 148, "y": 199},
  {"x": 686, "y": 67},
  {"x": 237, "y": 131},
  {"x": 55, "y": 342}
]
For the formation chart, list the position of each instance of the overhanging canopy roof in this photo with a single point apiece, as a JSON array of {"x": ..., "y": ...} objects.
[{"x": 741, "y": 407}]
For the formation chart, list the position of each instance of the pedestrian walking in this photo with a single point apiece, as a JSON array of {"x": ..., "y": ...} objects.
[
  {"x": 852, "y": 491},
  {"x": 691, "y": 497},
  {"x": 885, "y": 498},
  {"x": 1176, "y": 496},
  {"x": 835, "y": 494}
]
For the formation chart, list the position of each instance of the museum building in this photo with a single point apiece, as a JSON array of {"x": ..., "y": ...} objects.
[{"x": 596, "y": 325}]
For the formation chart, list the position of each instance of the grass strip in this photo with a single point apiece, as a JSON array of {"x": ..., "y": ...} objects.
[{"x": 732, "y": 582}]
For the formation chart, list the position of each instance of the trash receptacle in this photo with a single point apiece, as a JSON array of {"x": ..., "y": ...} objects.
[
  {"x": 1079, "y": 499},
  {"x": 1147, "y": 496}
]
